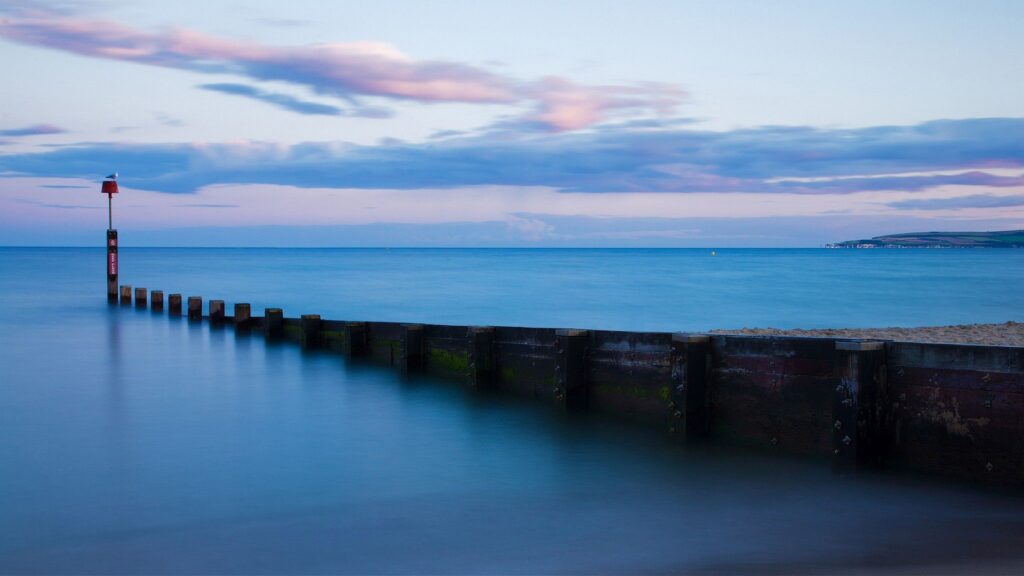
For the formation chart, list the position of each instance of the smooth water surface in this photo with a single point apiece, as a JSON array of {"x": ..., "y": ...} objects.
[
  {"x": 621, "y": 289},
  {"x": 135, "y": 443}
]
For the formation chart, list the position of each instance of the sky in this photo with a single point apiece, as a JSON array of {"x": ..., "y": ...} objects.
[{"x": 477, "y": 123}]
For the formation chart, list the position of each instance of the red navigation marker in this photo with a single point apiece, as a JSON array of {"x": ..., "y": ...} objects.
[{"x": 110, "y": 188}]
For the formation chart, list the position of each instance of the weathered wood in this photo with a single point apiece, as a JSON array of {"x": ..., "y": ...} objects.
[
  {"x": 156, "y": 300},
  {"x": 570, "y": 390},
  {"x": 140, "y": 298},
  {"x": 216, "y": 312},
  {"x": 482, "y": 369},
  {"x": 860, "y": 437},
  {"x": 772, "y": 393},
  {"x": 310, "y": 326},
  {"x": 958, "y": 410},
  {"x": 355, "y": 344},
  {"x": 525, "y": 359},
  {"x": 195, "y": 308},
  {"x": 690, "y": 405},
  {"x": 383, "y": 342},
  {"x": 446, "y": 351},
  {"x": 126, "y": 295},
  {"x": 629, "y": 375},
  {"x": 243, "y": 316},
  {"x": 412, "y": 351},
  {"x": 174, "y": 305},
  {"x": 273, "y": 323}
]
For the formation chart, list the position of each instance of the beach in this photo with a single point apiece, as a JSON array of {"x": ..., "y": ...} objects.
[{"x": 1008, "y": 333}]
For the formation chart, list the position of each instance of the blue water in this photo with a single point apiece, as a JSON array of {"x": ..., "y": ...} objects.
[
  {"x": 135, "y": 443},
  {"x": 658, "y": 290}
]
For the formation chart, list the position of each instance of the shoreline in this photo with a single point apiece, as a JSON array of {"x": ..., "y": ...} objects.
[{"x": 1008, "y": 333}]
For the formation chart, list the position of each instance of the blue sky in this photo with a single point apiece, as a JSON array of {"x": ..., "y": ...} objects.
[{"x": 522, "y": 124}]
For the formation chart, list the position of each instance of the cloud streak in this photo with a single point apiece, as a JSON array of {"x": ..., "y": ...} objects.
[
  {"x": 36, "y": 130},
  {"x": 959, "y": 202},
  {"x": 985, "y": 152},
  {"x": 344, "y": 70},
  {"x": 293, "y": 104}
]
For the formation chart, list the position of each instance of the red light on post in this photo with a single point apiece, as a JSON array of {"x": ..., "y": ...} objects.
[{"x": 110, "y": 188}]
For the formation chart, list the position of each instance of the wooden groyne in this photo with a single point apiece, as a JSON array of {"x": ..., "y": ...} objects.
[{"x": 952, "y": 410}]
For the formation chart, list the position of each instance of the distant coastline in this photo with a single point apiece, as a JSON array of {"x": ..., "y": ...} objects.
[{"x": 999, "y": 239}]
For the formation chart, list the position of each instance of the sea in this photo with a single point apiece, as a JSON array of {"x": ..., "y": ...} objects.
[{"x": 131, "y": 442}]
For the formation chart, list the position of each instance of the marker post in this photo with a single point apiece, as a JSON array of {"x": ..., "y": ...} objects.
[{"x": 110, "y": 188}]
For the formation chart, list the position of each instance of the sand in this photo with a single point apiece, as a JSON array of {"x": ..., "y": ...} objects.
[{"x": 1006, "y": 334}]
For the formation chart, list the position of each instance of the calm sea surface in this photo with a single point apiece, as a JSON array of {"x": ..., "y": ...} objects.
[{"x": 131, "y": 442}]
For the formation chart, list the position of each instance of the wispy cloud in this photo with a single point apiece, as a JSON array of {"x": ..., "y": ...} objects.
[
  {"x": 283, "y": 22},
  {"x": 345, "y": 70},
  {"x": 55, "y": 205},
  {"x": 608, "y": 159},
  {"x": 35, "y": 130},
  {"x": 293, "y": 104},
  {"x": 959, "y": 202},
  {"x": 168, "y": 120}
]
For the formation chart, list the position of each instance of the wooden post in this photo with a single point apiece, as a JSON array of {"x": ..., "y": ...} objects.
[
  {"x": 689, "y": 402},
  {"x": 140, "y": 298},
  {"x": 195, "y": 307},
  {"x": 216, "y": 312},
  {"x": 570, "y": 390},
  {"x": 355, "y": 339},
  {"x": 111, "y": 266},
  {"x": 482, "y": 369},
  {"x": 242, "y": 317},
  {"x": 310, "y": 326},
  {"x": 156, "y": 300},
  {"x": 412, "y": 349},
  {"x": 860, "y": 436},
  {"x": 273, "y": 323},
  {"x": 126, "y": 295},
  {"x": 174, "y": 305}
]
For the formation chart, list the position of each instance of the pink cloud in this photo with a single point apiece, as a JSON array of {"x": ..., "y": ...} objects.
[
  {"x": 565, "y": 105},
  {"x": 36, "y": 130},
  {"x": 344, "y": 70}
]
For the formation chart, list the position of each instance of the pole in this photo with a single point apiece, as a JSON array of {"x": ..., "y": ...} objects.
[
  {"x": 112, "y": 265},
  {"x": 110, "y": 188}
]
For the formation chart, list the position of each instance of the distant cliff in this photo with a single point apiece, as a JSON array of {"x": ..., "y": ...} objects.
[{"x": 1003, "y": 239}]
